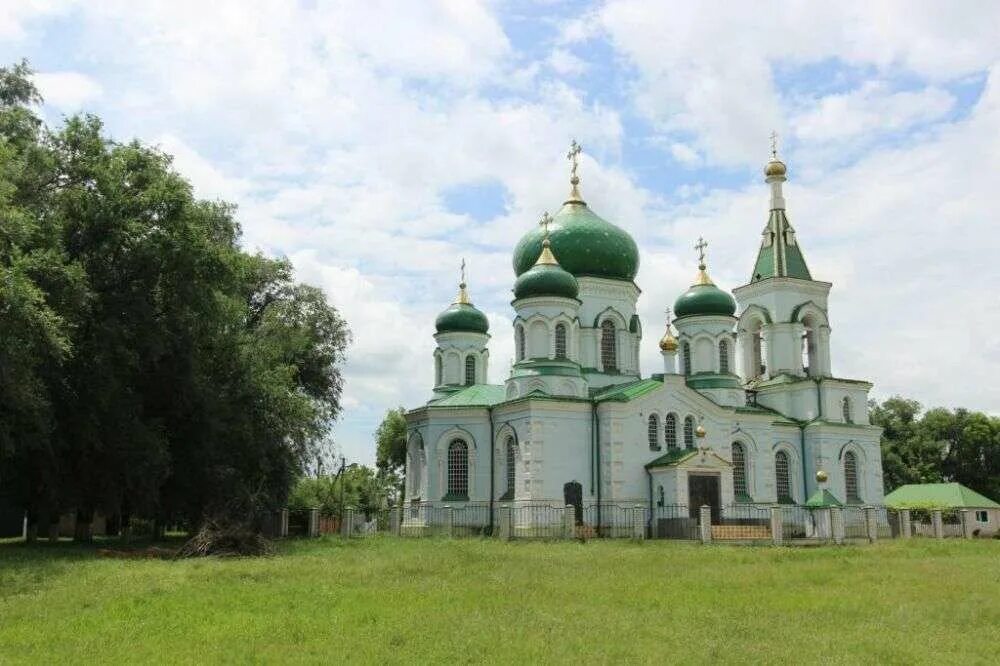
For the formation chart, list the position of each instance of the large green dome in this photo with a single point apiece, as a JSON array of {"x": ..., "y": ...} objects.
[
  {"x": 704, "y": 298},
  {"x": 585, "y": 244},
  {"x": 546, "y": 280},
  {"x": 462, "y": 318}
]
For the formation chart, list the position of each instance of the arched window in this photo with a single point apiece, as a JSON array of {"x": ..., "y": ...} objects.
[
  {"x": 438, "y": 371},
  {"x": 689, "y": 432},
  {"x": 653, "y": 432},
  {"x": 662, "y": 500},
  {"x": 686, "y": 357},
  {"x": 609, "y": 347},
  {"x": 458, "y": 470},
  {"x": 757, "y": 367},
  {"x": 845, "y": 408},
  {"x": 470, "y": 370},
  {"x": 670, "y": 430},
  {"x": 740, "y": 473},
  {"x": 511, "y": 467},
  {"x": 851, "y": 478},
  {"x": 560, "y": 340},
  {"x": 782, "y": 479},
  {"x": 809, "y": 347},
  {"x": 414, "y": 474},
  {"x": 723, "y": 357},
  {"x": 519, "y": 342}
]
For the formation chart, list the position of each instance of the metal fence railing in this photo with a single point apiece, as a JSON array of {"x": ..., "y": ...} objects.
[{"x": 673, "y": 521}]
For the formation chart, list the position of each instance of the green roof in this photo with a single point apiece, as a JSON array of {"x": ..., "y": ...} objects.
[
  {"x": 546, "y": 280},
  {"x": 672, "y": 457},
  {"x": 477, "y": 395},
  {"x": 584, "y": 243},
  {"x": 704, "y": 299},
  {"x": 944, "y": 495},
  {"x": 462, "y": 317},
  {"x": 629, "y": 391},
  {"x": 777, "y": 257},
  {"x": 822, "y": 498}
]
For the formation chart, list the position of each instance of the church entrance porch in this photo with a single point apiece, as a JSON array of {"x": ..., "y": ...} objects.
[{"x": 704, "y": 489}]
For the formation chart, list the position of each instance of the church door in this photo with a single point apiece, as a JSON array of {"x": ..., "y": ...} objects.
[
  {"x": 573, "y": 496},
  {"x": 704, "y": 489}
]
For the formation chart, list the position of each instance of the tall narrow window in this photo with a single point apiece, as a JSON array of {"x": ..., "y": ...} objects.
[
  {"x": 686, "y": 357},
  {"x": 560, "y": 340},
  {"x": 845, "y": 407},
  {"x": 458, "y": 470},
  {"x": 653, "y": 432},
  {"x": 414, "y": 474},
  {"x": 757, "y": 352},
  {"x": 662, "y": 499},
  {"x": 438, "y": 371},
  {"x": 519, "y": 343},
  {"x": 470, "y": 370},
  {"x": 689, "y": 432},
  {"x": 782, "y": 480},
  {"x": 609, "y": 347},
  {"x": 740, "y": 473},
  {"x": 851, "y": 478},
  {"x": 723, "y": 357},
  {"x": 809, "y": 363},
  {"x": 511, "y": 467},
  {"x": 670, "y": 430}
]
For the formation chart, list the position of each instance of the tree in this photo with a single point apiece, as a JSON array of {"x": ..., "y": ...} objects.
[
  {"x": 390, "y": 441},
  {"x": 909, "y": 455}
]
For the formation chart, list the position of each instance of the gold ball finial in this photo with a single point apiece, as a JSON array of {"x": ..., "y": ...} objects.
[
  {"x": 774, "y": 166},
  {"x": 699, "y": 432},
  {"x": 821, "y": 476},
  {"x": 668, "y": 342}
]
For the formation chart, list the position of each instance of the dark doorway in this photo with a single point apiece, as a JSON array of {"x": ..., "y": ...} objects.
[
  {"x": 573, "y": 495},
  {"x": 704, "y": 489}
]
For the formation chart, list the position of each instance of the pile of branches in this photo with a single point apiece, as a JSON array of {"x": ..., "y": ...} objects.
[{"x": 226, "y": 539}]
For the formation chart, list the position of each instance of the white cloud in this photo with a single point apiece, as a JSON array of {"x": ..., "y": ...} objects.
[
  {"x": 565, "y": 63},
  {"x": 67, "y": 91}
]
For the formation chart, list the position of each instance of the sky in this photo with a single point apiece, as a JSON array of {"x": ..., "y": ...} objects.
[{"x": 376, "y": 144}]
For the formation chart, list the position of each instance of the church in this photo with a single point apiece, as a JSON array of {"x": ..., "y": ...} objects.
[{"x": 746, "y": 409}]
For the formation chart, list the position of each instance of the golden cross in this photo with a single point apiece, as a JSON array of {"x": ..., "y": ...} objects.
[
  {"x": 545, "y": 221},
  {"x": 574, "y": 151},
  {"x": 463, "y": 270},
  {"x": 700, "y": 246},
  {"x": 669, "y": 312},
  {"x": 774, "y": 144}
]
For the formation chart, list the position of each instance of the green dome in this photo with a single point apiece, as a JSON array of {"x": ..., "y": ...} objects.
[
  {"x": 462, "y": 317},
  {"x": 546, "y": 280},
  {"x": 704, "y": 299},
  {"x": 585, "y": 244}
]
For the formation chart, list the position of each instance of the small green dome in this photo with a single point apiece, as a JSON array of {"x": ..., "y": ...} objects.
[
  {"x": 704, "y": 298},
  {"x": 546, "y": 280},
  {"x": 462, "y": 317},
  {"x": 585, "y": 244}
]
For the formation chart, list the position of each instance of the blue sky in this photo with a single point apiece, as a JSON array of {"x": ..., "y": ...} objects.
[{"x": 377, "y": 143}]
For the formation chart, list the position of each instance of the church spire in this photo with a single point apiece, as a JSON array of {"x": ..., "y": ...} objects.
[
  {"x": 546, "y": 257},
  {"x": 779, "y": 255},
  {"x": 702, "y": 276},
  {"x": 573, "y": 156}
]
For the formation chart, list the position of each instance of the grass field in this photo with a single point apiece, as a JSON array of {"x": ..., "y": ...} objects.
[{"x": 428, "y": 601}]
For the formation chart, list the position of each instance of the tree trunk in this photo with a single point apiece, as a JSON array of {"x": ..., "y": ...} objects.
[
  {"x": 81, "y": 531},
  {"x": 54, "y": 530}
]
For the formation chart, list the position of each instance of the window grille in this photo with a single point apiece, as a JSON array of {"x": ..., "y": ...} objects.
[
  {"x": 782, "y": 480},
  {"x": 670, "y": 430},
  {"x": 560, "y": 341},
  {"x": 851, "y": 478},
  {"x": 414, "y": 474},
  {"x": 654, "y": 432},
  {"x": 662, "y": 501},
  {"x": 511, "y": 466},
  {"x": 723, "y": 356},
  {"x": 470, "y": 370},
  {"x": 609, "y": 347},
  {"x": 520, "y": 343},
  {"x": 458, "y": 469},
  {"x": 689, "y": 432},
  {"x": 740, "y": 473},
  {"x": 686, "y": 357},
  {"x": 846, "y": 409}
]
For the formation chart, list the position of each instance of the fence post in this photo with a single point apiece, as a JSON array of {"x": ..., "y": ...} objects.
[
  {"x": 966, "y": 523},
  {"x": 639, "y": 523},
  {"x": 347, "y": 524},
  {"x": 871, "y": 524},
  {"x": 449, "y": 521},
  {"x": 569, "y": 521},
  {"x": 314, "y": 522},
  {"x": 826, "y": 522},
  {"x": 283, "y": 523},
  {"x": 506, "y": 522},
  {"x": 705, "y": 523},
  {"x": 937, "y": 524},
  {"x": 837, "y": 524},
  {"x": 395, "y": 515},
  {"x": 777, "y": 526},
  {"x": 905, "y": 529}
]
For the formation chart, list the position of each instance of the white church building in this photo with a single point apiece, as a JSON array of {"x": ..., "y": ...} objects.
[{"x": 745, "y": 410}]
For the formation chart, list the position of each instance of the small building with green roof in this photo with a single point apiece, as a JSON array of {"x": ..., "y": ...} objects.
[{"x": 986, "y": 512}]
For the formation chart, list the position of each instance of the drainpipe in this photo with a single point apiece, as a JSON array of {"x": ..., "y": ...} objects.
[
  {"x": 649, "y": 522},
  {"x": 489, "y": 413},
  {"x": 593, "y": 442},
  {"x": 597, "y": 448}
]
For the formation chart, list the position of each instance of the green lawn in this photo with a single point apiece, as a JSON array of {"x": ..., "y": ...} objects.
[{"x": 431, "y": 600}]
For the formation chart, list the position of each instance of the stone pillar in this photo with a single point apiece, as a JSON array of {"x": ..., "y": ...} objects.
[
  {"x": 394, "y": 520},
  {"x": 824, "y": 523},
  {"x": 283, "y": 523},
  {"x": 871, "y": 524},
  {"x": 905, "y": 526},
  {"x": 449, "y": 521},
  {"x": 967, "y": 527},
  {"x": 314, "y": 522},
  {"x": 937, "y": 524},
  {"x": 837, "y": 524},
  {"x": 777, "y": 526},
  {"x": 347, "y": 526},
  {"x": 569, "y": 521},
  {"x": 639, "y": 523},
  {"x": 705, "y": 523},
  {"x": 506, "y": 522}
]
